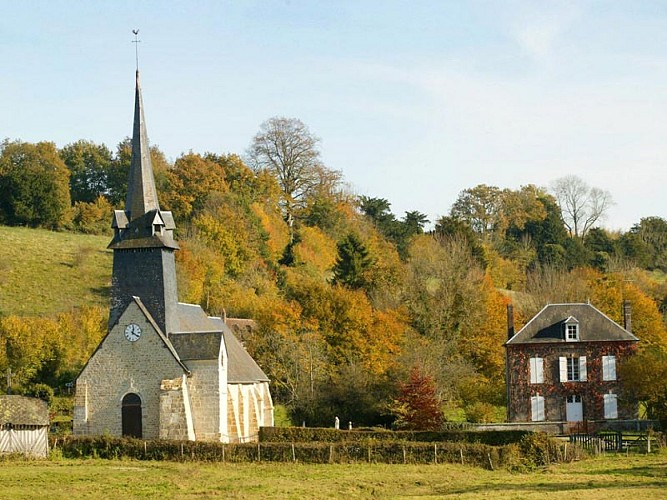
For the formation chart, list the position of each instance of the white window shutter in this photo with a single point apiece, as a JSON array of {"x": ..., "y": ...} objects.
[
  {"x": 540, "y": 408},
  {"x": 537, "y": 408},
  {"x": 610, "y": 406},
  {"x": 562, "y": 362},
  {"x": 608, "y": 367},
  {"x": 536, "y": 370},
  {"x": 582, "y": 369},
  {"x": 539, "y": 370}
]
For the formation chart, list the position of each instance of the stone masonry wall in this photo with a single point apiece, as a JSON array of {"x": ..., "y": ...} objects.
[
  {"x": 204, "y": 389},
  {"x": 175, "y": 417},
  {"x": 120, "y": 367}
]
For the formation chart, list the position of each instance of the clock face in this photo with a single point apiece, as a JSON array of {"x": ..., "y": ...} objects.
[{"x": 132, "y": 332}]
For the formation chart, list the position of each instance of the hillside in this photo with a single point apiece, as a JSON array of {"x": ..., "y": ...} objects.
[{"x": 45, "y": 272}]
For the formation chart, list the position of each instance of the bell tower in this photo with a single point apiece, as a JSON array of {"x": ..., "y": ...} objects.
[{"x": 143, "y": 244}]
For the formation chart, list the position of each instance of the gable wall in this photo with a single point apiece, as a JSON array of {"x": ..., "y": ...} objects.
[
  {"x": 556, "y": 392},
  {"x": 119, "y": 367}
]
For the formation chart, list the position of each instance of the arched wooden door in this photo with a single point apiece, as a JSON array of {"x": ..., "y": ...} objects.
[{"x": 131, "y": 415}]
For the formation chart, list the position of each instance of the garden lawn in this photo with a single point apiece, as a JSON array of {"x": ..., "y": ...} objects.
[{"x": 609, "y": 477}]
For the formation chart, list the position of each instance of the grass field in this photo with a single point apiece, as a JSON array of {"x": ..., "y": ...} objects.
[
  {"x": 45, "y": 272},
  {"x": 610, "y": 477}
]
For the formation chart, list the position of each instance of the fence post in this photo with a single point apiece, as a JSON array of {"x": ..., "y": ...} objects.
[
  {"x": 435, "y": 453},
  {"x": 259, "y": 452},
  {"x": 293, "y": 454},
  {"x": 223, "y": 453},
  {"x": 461, "y": 451},
  {"x": 404, "y": 457}
]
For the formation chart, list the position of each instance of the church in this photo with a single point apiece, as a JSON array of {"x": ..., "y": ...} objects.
[{"x": 165, "y": 369}]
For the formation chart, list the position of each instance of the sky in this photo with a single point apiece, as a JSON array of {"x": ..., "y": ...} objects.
[{"x": 414, "y": 101}]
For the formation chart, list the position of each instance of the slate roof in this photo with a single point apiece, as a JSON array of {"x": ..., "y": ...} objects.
[
  {"x": 192, "y": 318},
  {"x": 197, "y": 345},
  {"x": 242, "y": 368},
  {"x": 22, "y": 410},
  {"x": 548, "y": 326},
  {"x": 201, "y": 337},
  {"x": 141, "y": 191}
]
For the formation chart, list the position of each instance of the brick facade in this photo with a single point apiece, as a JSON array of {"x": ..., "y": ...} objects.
[{"x": 554, "y": 391}]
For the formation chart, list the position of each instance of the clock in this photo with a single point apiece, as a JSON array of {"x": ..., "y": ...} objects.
[{"x": 132, "y": 332}]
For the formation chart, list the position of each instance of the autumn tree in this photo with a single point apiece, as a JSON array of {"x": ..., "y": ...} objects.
[
  {"x": 581, "y": 205},
  {"x": 34, "y": 185},
  {"x": 190, "y": 183},
  {"x": 480, "y": 207},
  {"x": 644, "y": 378},
  {"x": 89, "y": 165},
  {"x": 417, "y": 407}
]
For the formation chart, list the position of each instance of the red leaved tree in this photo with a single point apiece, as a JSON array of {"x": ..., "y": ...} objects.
[{"x": 417, "y": 406}]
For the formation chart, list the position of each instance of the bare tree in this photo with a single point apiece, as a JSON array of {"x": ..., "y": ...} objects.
[
  {"x": 581, "y": 205},
  {"x": 287, "y": 149}
]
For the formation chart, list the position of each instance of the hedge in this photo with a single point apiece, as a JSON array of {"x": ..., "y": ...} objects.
[
  {"x": 532, "y": 451},
  {"x": 327, "y": 435}
]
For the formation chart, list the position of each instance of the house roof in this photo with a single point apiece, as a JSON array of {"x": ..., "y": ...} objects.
[
  {"x": 22, "y": 410},
  {"x": 548, "y": 326}
]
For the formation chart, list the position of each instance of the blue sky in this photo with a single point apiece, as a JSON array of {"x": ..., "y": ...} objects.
[{"x": 414, "y": 100}]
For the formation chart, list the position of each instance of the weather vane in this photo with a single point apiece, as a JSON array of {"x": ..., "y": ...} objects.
[{"x": 136, "y": 45}]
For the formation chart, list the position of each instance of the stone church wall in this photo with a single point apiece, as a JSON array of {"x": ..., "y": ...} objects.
[
  {"x": 120, "y": 367},
  {"x": 205, "y": 398},
  {"x": 175, "y": 413}
]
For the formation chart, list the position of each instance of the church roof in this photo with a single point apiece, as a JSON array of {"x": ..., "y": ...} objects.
[
  {"x": 242, "y": 368},
  {"x": 22, "y": 410},
  {"x": 141, "y": 191},
  {"x": 142, "y": 224},
  {"x": 201, "y": 337},
  {"x": 549, "y": 325}
]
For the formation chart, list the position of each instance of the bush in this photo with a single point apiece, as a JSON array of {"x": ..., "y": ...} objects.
[
  {"x": 313, "y": 434},
  {"x": 533, "y": 450},
  {"x": 41, "y": 391}
]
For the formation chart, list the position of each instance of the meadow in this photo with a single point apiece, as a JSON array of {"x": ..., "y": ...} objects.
[
  {"x": 45, "y": 272},
  {"x": 609, "y": 477}
]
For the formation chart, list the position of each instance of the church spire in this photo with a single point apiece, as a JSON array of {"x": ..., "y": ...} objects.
[{"x": 141, "y": 191}]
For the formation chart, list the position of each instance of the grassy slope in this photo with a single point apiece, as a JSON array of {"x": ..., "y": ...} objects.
[
  {"x": 44, "y": 272},
  {"x": 635, "y": 477}
]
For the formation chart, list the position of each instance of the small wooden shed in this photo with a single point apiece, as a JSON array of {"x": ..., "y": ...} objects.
[{"x": 24, "y": 425}]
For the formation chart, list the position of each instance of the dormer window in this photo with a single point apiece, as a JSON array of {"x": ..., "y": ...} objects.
[
  {"x": 158, "y": 224},
  {"x": 571, "y": 329}
]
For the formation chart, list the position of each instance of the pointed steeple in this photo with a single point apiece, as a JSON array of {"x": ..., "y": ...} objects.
[
  {"x": 142, "y": 224},
  {"x": 141, "y": 191},
  {"x": 143, "y": 244}
]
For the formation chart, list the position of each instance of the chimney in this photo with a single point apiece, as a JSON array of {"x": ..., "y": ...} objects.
[
  {"x": 627, "y": 316},
  {"x": 510, "y": 321}
]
